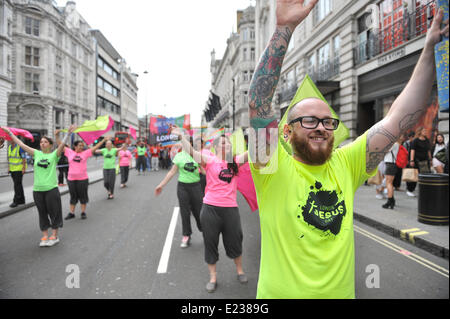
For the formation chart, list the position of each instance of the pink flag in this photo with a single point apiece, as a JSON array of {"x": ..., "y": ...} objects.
[
  {"x": 90, "y": 136},
  {"x": 17, "y": 132},
  {"x": 133, "y": 132},
  {"x": 246, "y": 186}
]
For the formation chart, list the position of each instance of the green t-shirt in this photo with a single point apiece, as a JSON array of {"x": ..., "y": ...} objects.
[
  {"x": 109, "y": 158},
  {"x": 306, "y": 216},
  {"x": 187, "y": 167},
  {"x": 45, "y": 171},
  {"x": 141, "y": 150}
]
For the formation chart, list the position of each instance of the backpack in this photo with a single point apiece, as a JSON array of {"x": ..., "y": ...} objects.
[{"x": 402, "y": 157}]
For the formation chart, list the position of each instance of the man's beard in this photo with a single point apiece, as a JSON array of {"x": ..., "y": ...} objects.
[{"x": 301, "y": 147}]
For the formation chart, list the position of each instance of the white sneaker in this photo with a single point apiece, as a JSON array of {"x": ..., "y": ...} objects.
[
  {"x": 185, "y": 241},
  {"x": 44, "y": 242},
  {"x": 52, "y": 242},
  {"x": 410, "y": 194},
  {"x": 379, "y": 196}
]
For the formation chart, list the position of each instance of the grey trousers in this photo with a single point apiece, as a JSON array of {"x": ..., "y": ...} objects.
[{"x": 109, "y": 179}]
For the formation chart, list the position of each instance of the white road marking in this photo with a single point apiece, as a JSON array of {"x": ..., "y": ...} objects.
[{"x": 164, "y": 261}]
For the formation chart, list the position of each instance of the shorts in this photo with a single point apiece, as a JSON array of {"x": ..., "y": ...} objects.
[
  {"x": 78, "y": 191},
  {"x": 221, "y": 220},
  {"x": 391, "y": 169}
]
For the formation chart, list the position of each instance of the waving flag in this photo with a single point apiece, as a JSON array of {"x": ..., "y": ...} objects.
[
  {"x": 132, "y": 132},
  {"x": 90, "y": 131},
  {"x": 16, "y": 132},
  {"x": 245, "y": 183}
]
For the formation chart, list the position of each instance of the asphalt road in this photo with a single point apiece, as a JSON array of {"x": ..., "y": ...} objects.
[{"x": 118, "y": 251}]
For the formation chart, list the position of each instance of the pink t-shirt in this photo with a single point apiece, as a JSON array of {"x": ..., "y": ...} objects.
[
  {"x": 77, "y": 164},
  {"x": 125, "y": 157},
  {"x": 221, "y": 185}
]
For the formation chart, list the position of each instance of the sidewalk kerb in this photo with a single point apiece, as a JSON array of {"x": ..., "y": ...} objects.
[{"x": 419, "y": 242}]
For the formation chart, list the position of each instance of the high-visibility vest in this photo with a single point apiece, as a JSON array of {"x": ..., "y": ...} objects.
[{"x": 14, "y": 159}]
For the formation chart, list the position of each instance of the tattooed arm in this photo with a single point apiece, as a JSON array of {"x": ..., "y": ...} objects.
[
  {"x": 290, "y": 13},
  {"x": 410, "y": 105}
]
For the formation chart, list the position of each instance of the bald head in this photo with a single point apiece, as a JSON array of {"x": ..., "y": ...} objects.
[{"x": 310, "y": 106}]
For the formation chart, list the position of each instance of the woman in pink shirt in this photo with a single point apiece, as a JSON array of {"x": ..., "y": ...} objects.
[
  {"x": 77, "y": 179},
  {"x": 125, "y": 165},
  {"x": 220, "y": 212}
]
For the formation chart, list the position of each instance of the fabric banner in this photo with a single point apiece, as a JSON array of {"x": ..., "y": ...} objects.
[
  {"x": 90, "y": 131},
  {"x": 159, "y": 128},
  {"x": 308, "y": 89},
  {"x": 441, "y": 52},
  {"x": 16, "y": 132}
]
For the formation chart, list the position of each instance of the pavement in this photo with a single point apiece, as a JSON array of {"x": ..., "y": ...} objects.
[{"x": 400, "y": 222}]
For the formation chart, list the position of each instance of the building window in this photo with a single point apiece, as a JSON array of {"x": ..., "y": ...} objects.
[
  {"x": 321, "y": 10},
  {"x": 324, "y": 54},
  {"x": 74, "y": 50},
  {"x": 252, "y": 54},
  {"x": 31, "y": 82},
  {"x": 252, "y": 34},
  {"x": 58, "y": 88},
  {"x": 312, "y": 64},
  {"x": 59, "y": 38},
  {"x": 73, "y": 73},
  {"x": 59, "y": 119},
  {"x": 58, "y": 64},
  {"x": 31, "y": 56},
  {"x": 32, "y": 26},
  {"x": 244, "y": 54},
  {"x": 73, "y": 94}
]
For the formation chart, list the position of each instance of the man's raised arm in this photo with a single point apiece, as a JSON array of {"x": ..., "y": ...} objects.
[
  {"x": 410, "y": 105},
  {"x": 289, "y": 14}
]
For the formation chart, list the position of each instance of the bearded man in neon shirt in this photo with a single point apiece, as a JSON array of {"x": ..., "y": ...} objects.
[{"x": 306, "y": 198}]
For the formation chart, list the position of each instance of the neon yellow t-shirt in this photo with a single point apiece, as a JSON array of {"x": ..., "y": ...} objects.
[{"x": 306, "y": 215}]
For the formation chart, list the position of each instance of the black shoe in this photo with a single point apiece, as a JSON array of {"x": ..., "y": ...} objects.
[
  {"x": 83, "y": 216},
  {"x": 390, "y": 203},
  {"x": 13, "y": 205},
  {"x": 69, "y": 216}
]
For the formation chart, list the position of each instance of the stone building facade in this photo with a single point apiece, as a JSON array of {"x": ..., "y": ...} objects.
[{"x": 232, "y": 74}]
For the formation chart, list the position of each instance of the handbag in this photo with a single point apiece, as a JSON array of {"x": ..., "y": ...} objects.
[
  {"x": 440, "y": 156},
  {"x": 376, "y": 179},
  {"x": 410, "y": 175}
]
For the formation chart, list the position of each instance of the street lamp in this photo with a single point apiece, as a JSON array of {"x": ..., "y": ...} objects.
[{"x": 146, "y": 112}]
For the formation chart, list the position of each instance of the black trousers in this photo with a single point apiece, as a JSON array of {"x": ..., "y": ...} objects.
[
  {"x": 221, "y": 220},
  {"x": 63, "y": 171},
  {"x": 19, "y": 196},
  {"x": 124, "y": 170},
  {"x": 109, "y": 179},
  {"x": 49, "y": 208},
  {"x": 190, "y": 198},
  {"x": 141, "y": 163}
]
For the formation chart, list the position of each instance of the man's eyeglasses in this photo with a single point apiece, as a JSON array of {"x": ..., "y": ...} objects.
[{"x": 312, "y": 122}]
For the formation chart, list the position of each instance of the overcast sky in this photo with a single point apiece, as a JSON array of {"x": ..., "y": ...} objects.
[{"x": 172, "y": 40}]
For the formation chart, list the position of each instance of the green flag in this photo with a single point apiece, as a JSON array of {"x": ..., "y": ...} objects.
[
  {"x": 100, "y": 124},
  {"x": 308, "y": 89},
  {"x": 238, "y": 141}
]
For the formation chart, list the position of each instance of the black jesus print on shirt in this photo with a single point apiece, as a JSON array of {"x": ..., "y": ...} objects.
[{"x": 324, "y": 210}]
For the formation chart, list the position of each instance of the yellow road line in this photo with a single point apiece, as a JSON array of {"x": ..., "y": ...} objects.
[{"x": 436, "y": 268}]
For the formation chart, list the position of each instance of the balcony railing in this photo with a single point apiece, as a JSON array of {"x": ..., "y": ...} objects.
[
  {"x": 405, "y": 29},
  {"x": 325, "y": 71}
]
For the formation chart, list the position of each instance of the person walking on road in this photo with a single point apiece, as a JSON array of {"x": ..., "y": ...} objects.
[
  {"x": 306, "y": 197},
  {"x": 17, "y": 166},
  {"x": 45, "y": 189},
  {"x": 109, "y": 154},
  {"x": 189, "y": 192},
  {"x": 125, "y": 159},
  {"x": 420, "y": 156},
  {"x": 439, "y": 157},
  {"x": 78, "y": 179},
  {"x": 63, "y": 168},
  {"x": 220, "y": 212},
  {"x": 154, "y": 151},
  {"x": 141, "y": 149},
  {"x": 389, "y": 172}
]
